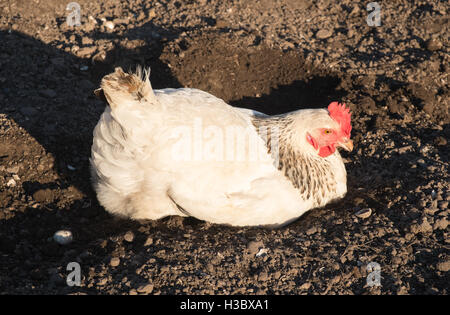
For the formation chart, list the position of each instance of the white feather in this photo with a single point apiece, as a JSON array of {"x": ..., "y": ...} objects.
[{"x": 138, "y": 174}]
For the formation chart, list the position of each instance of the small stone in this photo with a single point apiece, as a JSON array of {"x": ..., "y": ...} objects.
[
  {"x": 357, "y": 272},
  {"x": 311, "y": 231},
  {"x": 145, "y": 289},
  {"x": 359, "y": 201},
  {"x": 86, "y": 51},
  {"x": 63, "y": 237},
  {"x": 13, "y": 169},
  {"x": 121, "y": 21},
  {"x": 102, "y": 281},
  {"x": 440, "y": 224},
  {"x": 440, "y": 141},
  {"x": 364, "y": 213},
  {"x": 262, "y": 252},
  {"x": 396, "y": 260},
  {"x": 305, "y": 286},
  {"x": 433, "y": 45},
  {"x": 355, "y": 10},
  {"x": 141, "y": 16},
  {"x": 444, "y": 266},
  {"x": 288, "y": 45},
  {"x": 254, "y": 246},
  {"x": 402, "y": 291},
  {"x": 114, "y": 262},
  {"x": 43, "y": 195},
  {"x": 11, "y": 183},
  {"x": 110, "y": 25},
  {"x": 263, "y": 276},
  {"x": 87, "y": 41},
  {"x": 443, "y": 205},
  {"x": 129, "y": 237},
  {"x": 149, "y": 241},
  {"x": 152, "y": 13},
  {"x": 433, "y": 194},
  {"x": 405, "y": 149},
  {"x": 421, "y": 227},
  {"x": 324, "y": 34}
]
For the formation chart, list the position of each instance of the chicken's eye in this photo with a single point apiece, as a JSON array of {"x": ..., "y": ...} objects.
[{"x": 327, "y": 131}]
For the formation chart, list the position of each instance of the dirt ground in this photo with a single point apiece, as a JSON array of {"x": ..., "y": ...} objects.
[{"x": 273, "y": 56}]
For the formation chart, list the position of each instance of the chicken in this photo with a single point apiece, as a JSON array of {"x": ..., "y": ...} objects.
[{"x": 185, "y": 152}]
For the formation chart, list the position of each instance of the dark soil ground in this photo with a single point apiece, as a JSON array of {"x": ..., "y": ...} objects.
[{"x": 273, "y": 56}]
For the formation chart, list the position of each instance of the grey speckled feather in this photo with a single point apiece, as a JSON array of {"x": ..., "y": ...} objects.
[{"x": 311, "y": 175}]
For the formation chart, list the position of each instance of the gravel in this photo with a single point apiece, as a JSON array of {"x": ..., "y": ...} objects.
[{"x": 273, "y": 56}]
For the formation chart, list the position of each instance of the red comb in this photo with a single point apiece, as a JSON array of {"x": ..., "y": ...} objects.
[{"x": 342, "y": 115}]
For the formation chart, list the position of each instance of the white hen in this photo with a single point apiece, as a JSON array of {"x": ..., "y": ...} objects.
[{"x": 185, "y": 152}]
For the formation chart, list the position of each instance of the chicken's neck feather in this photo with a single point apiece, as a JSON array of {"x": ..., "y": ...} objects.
[{"x": 311, "y": 175}]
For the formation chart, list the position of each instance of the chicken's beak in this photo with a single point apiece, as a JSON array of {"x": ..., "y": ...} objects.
[{"x": 348, "y": 145}]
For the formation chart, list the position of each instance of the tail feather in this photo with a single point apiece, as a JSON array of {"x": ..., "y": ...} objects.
[{"x": 120, "y": 88}]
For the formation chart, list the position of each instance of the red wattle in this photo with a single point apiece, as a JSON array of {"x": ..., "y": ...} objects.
[{"x": 326, "y": 150}]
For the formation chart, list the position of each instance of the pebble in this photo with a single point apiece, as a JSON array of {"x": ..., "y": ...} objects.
[
  {"x": 114, "y": 262},
  {"x": 305, "y": 286},
  {"x": 43, "y": 195},
  {"x": 129, "y": 237},
  {"x": 364, "y": 213},
  {"x": 443, "y": 205},
  {"x": 422, "y": 227},
  {"x": 262, "y": 252},
  {"x": 13, "y": 169},
  {"x": 71, "y": 168},
  {"x": 11, "y": 183},
  {"x": 254, "y": 246},
  {"x": 149, "y": 241},
  {"x": 63, "y": 237},
  {"x": 441, "y": 224},
  {"x": 152, "y": 13},
  {"x": 102, "y": 281},
  {"x": 433, "y": 194},
  {"x": 110, "y": 25},
  {"x": 433, "y": 45},
  {"x": 86, "y": 51},
  {"x": 145, "y": 289},
  {"x": 311, "y": 231},
  {"x": 263, "y": 276},
  {"x": 324, "y": 34},
  {"x": 443, "y": 266},
  {"x": 87, "y": 41},
  {"x": 405, "y": 149},
  {"x": 440, "y": 141}
]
